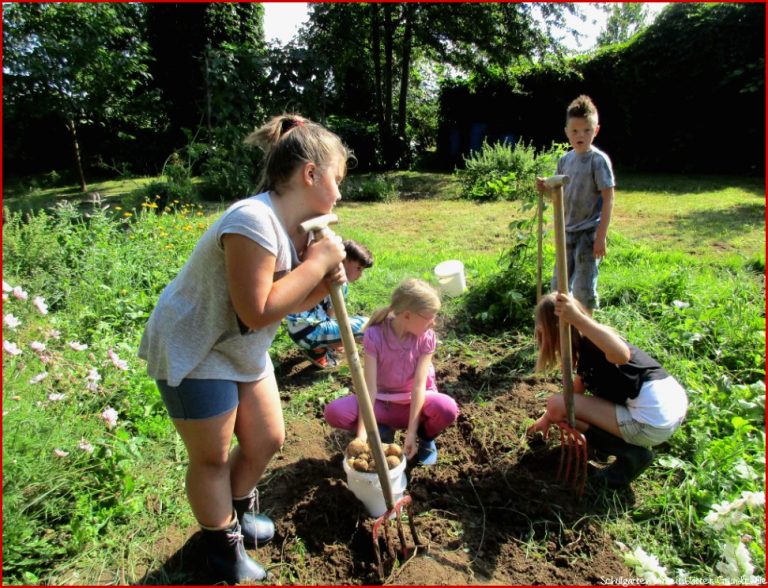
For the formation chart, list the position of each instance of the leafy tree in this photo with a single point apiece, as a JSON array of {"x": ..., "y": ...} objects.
[
  {"x": 85, "y": 64},
  {"x": 625, "y": 19},
  {"x": 370, "y": 51}
]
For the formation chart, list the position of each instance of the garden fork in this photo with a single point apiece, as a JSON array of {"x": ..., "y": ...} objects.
[
  {"x": 318, "y": 226},
  {"x": 573, "y": 444}
]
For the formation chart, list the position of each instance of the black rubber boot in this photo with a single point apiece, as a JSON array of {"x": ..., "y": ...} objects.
[
  {"x": 227, "y": 557},
  {"x": 631, "y": 460},
  {"x": 258, "y": 529}
]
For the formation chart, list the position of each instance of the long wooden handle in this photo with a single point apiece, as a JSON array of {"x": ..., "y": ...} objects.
[
  {"x": 365, "y": 407},
  {"x": 539, "y": 255},
  {"x": 562, "y": 286}
]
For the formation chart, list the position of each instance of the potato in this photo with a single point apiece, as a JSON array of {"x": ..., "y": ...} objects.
[
  {"x": 356, "y": 447},
  {"x": 365, "y": 456},
  {"x": 393, "y": 461},
  {"x": 360, "y": 465},
  {"x": 393, "y": 449}
]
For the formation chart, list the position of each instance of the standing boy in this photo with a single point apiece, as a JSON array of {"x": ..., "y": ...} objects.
[
  {"x": 316, "y": 331},
  {"x": 588, "y": 201}
]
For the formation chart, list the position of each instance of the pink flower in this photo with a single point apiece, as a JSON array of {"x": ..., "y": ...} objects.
[
  {"x": 116, "y": 361},
  {"x": 5, "y": 296},
  {"x": 60, "y": 452},
  {"x": 7, "y": 287},
  {"x": 19, "y": 293},
  {"x": 40, "y": 304},
  {"x": 11, "y": 348},
  {"x": 11, "y": 321},
  {"x": 37, "y": 346},
  {"x": 93, "y": 377},
  {"x": 110, "y": 416},
  {"x": 39, "y": 378},
  {"x": 85, "y": 446},
  {"x": 77, "y": 346},
  {"x": 55, "y": 397},
  {"x": 54, "y": 334}
]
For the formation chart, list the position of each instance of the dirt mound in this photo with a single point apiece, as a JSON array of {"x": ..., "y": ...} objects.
[{"x": 490, "y": 512}]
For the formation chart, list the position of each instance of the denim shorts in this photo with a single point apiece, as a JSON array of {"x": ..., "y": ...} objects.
[
  {"x": 582, "y": 267},
  {"x": 642, "y": 434},
  {"x": 199, "y": 399}
]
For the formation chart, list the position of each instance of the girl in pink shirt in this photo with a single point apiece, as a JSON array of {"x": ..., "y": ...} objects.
[{"x": 398, "y": 344}]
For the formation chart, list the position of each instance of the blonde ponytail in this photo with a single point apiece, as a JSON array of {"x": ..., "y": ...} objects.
[{"x": 412, "y": 294}]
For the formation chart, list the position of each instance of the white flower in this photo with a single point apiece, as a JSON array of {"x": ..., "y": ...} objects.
[
  {"x": 753, "y": 498},
  {"x": 11, "y": 348},
  {"x": 680, "y": 304},
  {"x": 5, "y": 296},
  {"x": 85, "y": 446},
  {"x": 19, "y": 293},
  {"x": 55, "y": 397},
  {"x": 7, "y": 287},
  {"x": 39, "y": 378},
  {"x": 93, "y": 377},
  {"x": 647, "y": 567},
  {"x": 110, "y": 416},
  {"x": 37, "y": 346},
  {"x": 11, "y": 321},
  {"x": 60, "y": 453},
  {"x": 736, "y": 562},
  {"x": 77, "y": 346},
  {"x": 40, "y": 304},
  {"x": 116, "y": 361}
]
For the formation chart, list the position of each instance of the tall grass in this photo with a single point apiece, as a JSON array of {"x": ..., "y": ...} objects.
[{"x": 77, "y": 482}]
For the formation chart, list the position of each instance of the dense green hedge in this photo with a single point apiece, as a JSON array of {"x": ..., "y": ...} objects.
[{"x": 685, "y": 95}]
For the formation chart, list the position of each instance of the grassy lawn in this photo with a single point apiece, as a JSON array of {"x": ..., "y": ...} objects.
[{"x": 684, "y": 279}]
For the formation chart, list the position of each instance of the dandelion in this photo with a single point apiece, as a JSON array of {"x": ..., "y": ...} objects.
[
  {"x": 127, "y": 214},
  {"x": 60, "y": 452},
  {"x": 38, "y": 378},
  {"x": 736, "y": 563},
  {"x": 7, "y": 287},
  {"x": 11, "y": 321},
  {"x": 19, "y": 293},
  {"x": 37, "y": 346},
  {"x": 40, "y": 304},
  {"x": 110, "y": 416},
  {"x": 55, "y": 397},
  {"x": 11, "y": 348},
  {"x": 77, "y": 346},
  {"x": 85, "y": 446},
  {"x": 120, "y": 364}
]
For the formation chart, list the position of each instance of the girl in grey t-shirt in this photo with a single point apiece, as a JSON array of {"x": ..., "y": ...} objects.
[{"x": 207, "y": 340}]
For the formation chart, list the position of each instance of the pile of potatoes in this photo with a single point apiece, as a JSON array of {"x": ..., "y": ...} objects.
[{"x": 360, "y": 458}]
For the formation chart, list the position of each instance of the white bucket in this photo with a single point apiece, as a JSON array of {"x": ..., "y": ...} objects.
[
  {"x": 367, "y": 488},
  {"x": 450, "y": 275}
]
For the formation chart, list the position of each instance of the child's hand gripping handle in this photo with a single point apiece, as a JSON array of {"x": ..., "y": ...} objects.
[
  {"x": 319, "y": 226},
  {"x": 554, "y": 185}
]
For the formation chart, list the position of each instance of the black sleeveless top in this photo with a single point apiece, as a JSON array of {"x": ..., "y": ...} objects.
[{"x": 614, "y": 382}]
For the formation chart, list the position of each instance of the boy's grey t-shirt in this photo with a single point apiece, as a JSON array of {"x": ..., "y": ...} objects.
[
  {"x": 588, "y": 174},
  {"x": 193, "y": 332}
]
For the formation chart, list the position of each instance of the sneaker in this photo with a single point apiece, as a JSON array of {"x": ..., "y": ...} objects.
[
  {"x": 387, "y": 434},
  {"x": 427, "y": 453},
  {"x": 320, "y": 361},
  {"x": 331, "y": 359}
]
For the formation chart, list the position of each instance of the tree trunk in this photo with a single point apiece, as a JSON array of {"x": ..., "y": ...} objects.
[
  {"x": 404, "y": 77},
  {"x": 376, "y": 54},
  {"x": 389, "y": 34},
  {"x": 76, "y": 149}
]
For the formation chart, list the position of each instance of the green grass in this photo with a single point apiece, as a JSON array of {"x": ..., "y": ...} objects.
[{"x": 699, "y": 241}]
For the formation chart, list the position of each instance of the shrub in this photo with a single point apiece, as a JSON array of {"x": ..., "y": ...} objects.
[
  {"x": 369, "y": 188},
  {"x": 505, "y": 172}
]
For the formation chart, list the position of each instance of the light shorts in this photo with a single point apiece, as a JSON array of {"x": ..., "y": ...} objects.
[
  {"x": 199, "y": 399},
  {"x": 642, "y": 434}
]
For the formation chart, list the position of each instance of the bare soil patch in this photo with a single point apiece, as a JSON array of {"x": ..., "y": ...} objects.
[{"x": 491, "y": 512}]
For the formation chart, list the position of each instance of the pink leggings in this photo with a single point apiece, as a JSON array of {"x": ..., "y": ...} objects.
[{"x": 437, "y": 414}]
